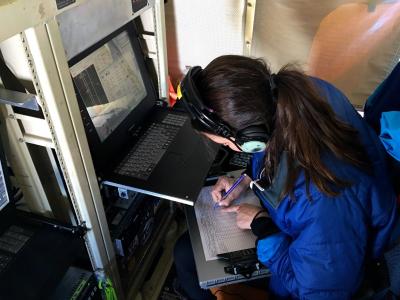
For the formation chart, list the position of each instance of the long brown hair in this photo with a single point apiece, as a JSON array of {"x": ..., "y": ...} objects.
[{"x": 304, "y": 125}]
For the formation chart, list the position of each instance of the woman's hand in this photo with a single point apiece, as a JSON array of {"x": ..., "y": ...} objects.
[
  {"x": 245, "y": 214},
  {"x": 223, "y": 184}
]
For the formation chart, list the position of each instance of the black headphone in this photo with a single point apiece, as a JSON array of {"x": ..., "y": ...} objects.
[{"x": 250, "y": 139}]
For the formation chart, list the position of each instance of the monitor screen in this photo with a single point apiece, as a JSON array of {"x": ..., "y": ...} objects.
[
  {"x": 4, "y": 199},
  {"x": 110, "y": 83}
]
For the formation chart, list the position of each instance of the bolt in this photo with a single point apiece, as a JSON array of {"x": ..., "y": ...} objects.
[{"x": 249, "y": 4}]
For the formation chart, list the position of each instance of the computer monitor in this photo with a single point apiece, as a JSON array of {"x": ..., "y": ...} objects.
[
  {"x": 4, "y": 197},
  {"x": 113, "y": 88},
  {"x": 5, "y": 184},
  {"x": 110, "y": 83},
  {"x": 135, "y": 143}
]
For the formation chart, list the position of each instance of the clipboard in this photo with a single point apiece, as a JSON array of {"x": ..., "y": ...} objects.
[{"x": 213, "y": 273}]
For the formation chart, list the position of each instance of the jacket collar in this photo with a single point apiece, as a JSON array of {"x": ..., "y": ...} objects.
[{"x": 271, "y": 194}]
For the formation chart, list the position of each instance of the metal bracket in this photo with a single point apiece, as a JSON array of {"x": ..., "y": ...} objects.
[
  {"x": 79, "y": 230},
  {"x": 123, "y": 193},
  {"x": 18, "y": 99},
  {"x": 244, "y": 269},
  {"x": 249, "y": 26}
]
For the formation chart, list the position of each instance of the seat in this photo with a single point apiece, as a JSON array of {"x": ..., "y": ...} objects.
[{"x": 239, "y": 291}]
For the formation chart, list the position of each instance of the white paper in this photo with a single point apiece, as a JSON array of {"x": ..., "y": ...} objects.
[{"x": 218, "y": 230}]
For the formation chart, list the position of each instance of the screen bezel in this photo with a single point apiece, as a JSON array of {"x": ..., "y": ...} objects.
[{"x": 103, "y": 151}]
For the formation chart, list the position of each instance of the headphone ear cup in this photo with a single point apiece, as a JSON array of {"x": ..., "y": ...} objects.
[
  {"x": 253, "y": 146},
  {"x": 253, "y": 138}
]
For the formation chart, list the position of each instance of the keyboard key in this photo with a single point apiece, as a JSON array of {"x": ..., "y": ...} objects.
[{"x": 150, "y": 148}]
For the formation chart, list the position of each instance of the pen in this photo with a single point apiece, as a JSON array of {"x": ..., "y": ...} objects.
[{"x": 234, "y": 185}]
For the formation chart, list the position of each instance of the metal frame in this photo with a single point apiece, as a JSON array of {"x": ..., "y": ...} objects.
[
  {"x": 56, "y": 95},
  {"x": 34, "y": 130},
  {"x": 64, "y": 131},
  {"x": 25, "y": 170},
  {"x": 17, "y": 15},
  {"x": 161, "y": 44},
  {"x": 249, "y": 26}
]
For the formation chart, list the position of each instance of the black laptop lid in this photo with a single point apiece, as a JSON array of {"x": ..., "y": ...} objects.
[{"x": 114, "y": 91}]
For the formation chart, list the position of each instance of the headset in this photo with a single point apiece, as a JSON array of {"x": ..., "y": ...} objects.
[{"x": 250, "y": 139}]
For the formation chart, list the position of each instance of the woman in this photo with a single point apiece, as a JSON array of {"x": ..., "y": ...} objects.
[{"x": 319, "y": 173}]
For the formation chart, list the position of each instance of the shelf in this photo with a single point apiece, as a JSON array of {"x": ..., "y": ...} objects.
[{"x": 18, "y": 99}]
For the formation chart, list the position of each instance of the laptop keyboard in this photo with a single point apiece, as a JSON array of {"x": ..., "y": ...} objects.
[
  {"x": 11, "y": 242},
  {"x": 240, "y": 159},
  {"x": 145, "y": 155},
  {"x": 173, "y": 119}
]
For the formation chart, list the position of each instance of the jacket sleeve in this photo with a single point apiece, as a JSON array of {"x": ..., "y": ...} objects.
[
  {"x": 385, "y": 222},
  {"x": 314, "y": 271}
]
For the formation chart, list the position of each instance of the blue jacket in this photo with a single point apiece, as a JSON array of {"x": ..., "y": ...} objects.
[{"x": 324, "y": 243}]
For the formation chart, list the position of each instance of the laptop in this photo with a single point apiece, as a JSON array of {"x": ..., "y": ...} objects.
[
  {"x": 135, "y": 143},
  {"x": 212, "y": 273}
]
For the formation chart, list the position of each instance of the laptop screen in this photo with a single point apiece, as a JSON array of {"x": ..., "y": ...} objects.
[
  {"x": 109, "y": 83},
  {"x": 114, "y": 90},
  {"x": 3, "y": 188}
]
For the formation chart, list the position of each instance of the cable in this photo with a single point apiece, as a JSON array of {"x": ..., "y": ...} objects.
[
  {"x": 231, "y": 294},
  {"x": 108, "y": 289}
]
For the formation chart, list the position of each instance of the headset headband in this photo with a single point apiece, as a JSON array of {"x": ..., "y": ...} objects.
[
  {"x": 199, "y": 112},
  {"x": 250, "y": 139}
]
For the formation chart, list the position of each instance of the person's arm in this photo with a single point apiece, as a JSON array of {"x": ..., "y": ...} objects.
[
  {"x": 385, "y": 223},
  {"x": 309, "y": 270}
]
